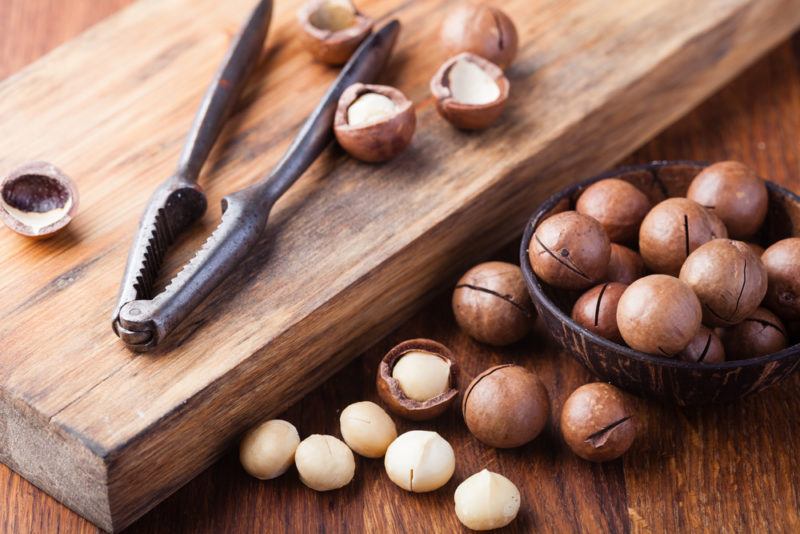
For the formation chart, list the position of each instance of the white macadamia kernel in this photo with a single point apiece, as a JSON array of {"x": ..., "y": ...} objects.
[
  {"x": 420, "y": 461},
  {"x": 470, "y": 84},
  {"x": 369, "y": 108},
  {"x": 422, "y": 375},
  {"x": 334, "y": 15},
  {"x": 324, "y": 462},
  {"x": 267, "y": 450},
  {"x": 486, "y": 501},
  {"x": 367, "y": 429}
]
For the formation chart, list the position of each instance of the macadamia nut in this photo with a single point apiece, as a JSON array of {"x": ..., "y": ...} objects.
[
  {"x": 369, "y": 108},
  {"x": 422, "y": 376},
  {"x": 367, "y": 429},
  {"x": 324, "y": 462},
  {"x": 420, "y": 461},
  {"x": 268, "y": 449},
  {"x": 486, "y": 501}
]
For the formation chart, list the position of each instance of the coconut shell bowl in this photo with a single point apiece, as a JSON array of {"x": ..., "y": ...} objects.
[{"x": 668, "y": 379}]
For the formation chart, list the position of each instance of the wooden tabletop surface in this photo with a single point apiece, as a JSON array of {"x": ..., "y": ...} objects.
[{"x": 728, "y": 468}]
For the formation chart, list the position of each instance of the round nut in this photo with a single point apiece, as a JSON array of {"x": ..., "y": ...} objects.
[
  {"x": 728, "y": 278},
  {"x": 324, "y": 462},
  {"x": 570, "y": 251},
  {"x": 332, "y": 29},
  {"x": 486, "y": 501},
  {"x": 735, "y": 193},
  {"x": 624, "y": 265},
  {"x": 705, "y": 347},
  {"x": 374, "y": 122},
  {"x": 367, "y": 429},
  {"x": 37, "y": 200},
  {"x": 505, "y": 406},
  {"x": 422, "y": 377},
  {"x": 470, "y": 91},
  {"x": 267, "y": 450},
  {"x": 596, "y": 310},
  {"x": 782, "y": 262},
  {"x": 420, "y": 461},
  {"x": 617, "y": 205},
  {"x": 482, "y": 30},
  {"x": 492, "y": 305},
  {"x": 597, "y": 423},
  {"x": 658, "y": 314},
  {"x": 760, "y": 334}
]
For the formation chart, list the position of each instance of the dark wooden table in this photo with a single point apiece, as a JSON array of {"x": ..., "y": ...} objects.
[{"x": 732, "y": 468}]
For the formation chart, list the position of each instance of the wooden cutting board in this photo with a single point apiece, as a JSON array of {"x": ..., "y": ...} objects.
[{"x": 351, "y": 251}]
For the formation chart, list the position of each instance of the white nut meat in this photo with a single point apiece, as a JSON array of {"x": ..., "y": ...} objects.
[
  {"x": 420, "y": 461},
  {"x": 267, "y": 450},
  {"x": 422, "y": 375},
  {"x": 369, "y": 108},
  {"x": 472, "y": 85},
  {"x": 324, "y": 462},
  {"x": 486, "y": 501},
  {"x": 367, "y": 429}
]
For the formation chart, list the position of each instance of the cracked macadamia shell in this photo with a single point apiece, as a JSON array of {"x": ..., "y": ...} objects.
[
  {"x": 367, "y": 429},
  {"x": 425, "y": 368},
  {"x": 760, "y": 334},
  {"x": 267, "y": 450},
  {"x": 37, "y": 200},
  {"x": 332, "y": 29},
  {"x": 486, "y": 501},
  {"x": 470, "y": 91},
  {"x": 672, "y": 230},
  {"x": 782, "y": 263},
  {"x": 420, "y": 461},
  {"x": 492, "y": 305},
  {"x": 596, "y": 310},
  {"x": 735, "y": 194},
  {"x": 658, "y": 314},
  {"x": 624, "y": 265},
  {"x": 483, "y": 30},
  {"x": 617, "y": 205},
  {"x": 570, "y": 251},
  {"x": 728, "y": 278},
  {"x": 374, "y": 123},
  {"x": 597, "y": 423},
  {"x": 705, "y": 347},
  {"x": 506, "y": 406},
  {"x": 324, "y": 462}
]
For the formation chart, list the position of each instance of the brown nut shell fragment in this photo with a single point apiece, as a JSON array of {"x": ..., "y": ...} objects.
[
  {"x": 506, "y": 406},
  {"x": 492, "y": 305},
  {"x": 37, "y": 200},
  {"x": 394, "y": 397},
  {"x": 617, "y": 205},
  {"x": 570, "y": 251},
  {"x": 332, "y": 29},
  {"x": 782, "y": 262},
  {"x": 735, "y": 194},
  {"x": 483, "y": 30},
  {"x": 596, "y": 310},
  {"x": 728, "y": 278},
  {"x": 705, "y": 347},
  {"x": 625, "y": 265},
  {"x": 470, "y": 91},
  {"x": 672, "y": 230},
  {"x": 760, "y": 334},
  {"x": 374, "y": 122},
  {"x": 597, "y": 423}
]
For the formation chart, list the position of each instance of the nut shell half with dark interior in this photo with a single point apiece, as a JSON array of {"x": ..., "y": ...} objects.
[
  {"x": 374, "y": 122},
  {"x": 37, "y": 200},
  {"x": 483, "y": 30},
  {"x": 760, "y": 334},
  {"x": 617, "y": 205},
  {"x": 470, "y": 91},
  {"x": 492, "y": 305},
  {"x": 782, "y": 262},
  {"x": 418, "y": 388},
  {"x": 333, "y": 29},
  {"x": 705, "y": 347},
  {"x": 596, "y": 310}
]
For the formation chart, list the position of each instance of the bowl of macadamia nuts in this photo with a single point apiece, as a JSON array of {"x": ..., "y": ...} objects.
[{"x": 677, "y": 280}]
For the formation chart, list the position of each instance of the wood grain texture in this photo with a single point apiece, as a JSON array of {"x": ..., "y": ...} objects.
[{"x": 609, "y": 496}]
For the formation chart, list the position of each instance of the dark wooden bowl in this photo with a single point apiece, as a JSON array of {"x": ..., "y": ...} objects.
[{"x": 671, "y": 380}]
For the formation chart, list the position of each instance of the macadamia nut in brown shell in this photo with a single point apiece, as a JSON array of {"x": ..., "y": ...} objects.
[
  {"x": 617, "y": 205},
  {"x": 482, "y": 30},
  {"x": 760, "y": 334},
  {"x": 624, "y": 265},
  {"x": 332, "y": 29},
  {"x": 596, "y": 310},
  {"x": 782, "y": 262},
  {"x": 705, "y": 347}
]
